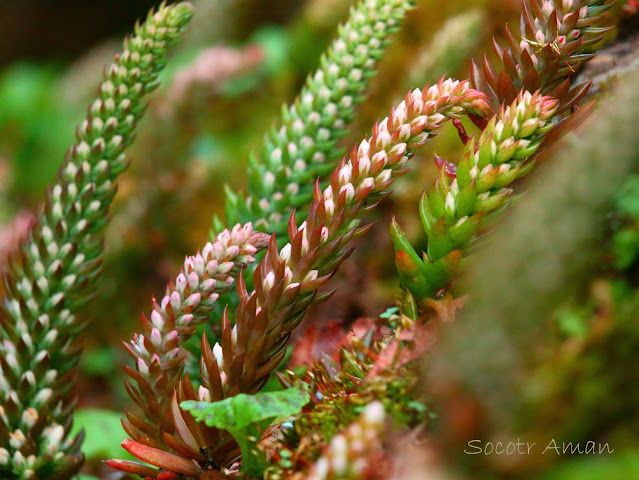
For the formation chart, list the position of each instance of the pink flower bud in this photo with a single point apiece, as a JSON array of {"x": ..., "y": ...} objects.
[
  {"x": 232, "y": 251},
  {"x": 180, "y": 283},
  {"x": 156, "y": 338},
  {"x": 176, "y": 300},
  {"x": 225, "y": 267},
  {"x": 142, "y": 367},
  {"x": 157, "y": 320},
  {"x": 208, "y": 284},
  {"x": 193, "y": 300},
  {"x": 194, "y": 281}
]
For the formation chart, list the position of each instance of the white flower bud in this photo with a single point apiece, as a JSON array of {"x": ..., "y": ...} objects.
[
  {"x": 4, "y": 456},
  {"x": 404, "y": 132},
  {"x": 368, "y": 182},
  {"x": 350, "y": 191},
  {"x": 374, "y": 413},
  {"x": 156, "y": 338},
  {"x": 345, "y": 174},
  {"x": 339, "y": 449},
  {"x": 156, "y": 318},
  {"x": 383, "y": 177},
  {"x": 285, "y": 253},
  {"x": 219, "y": 356},
  {"x": 180, "y": 283},
  {"x": 363, "y": 149}
]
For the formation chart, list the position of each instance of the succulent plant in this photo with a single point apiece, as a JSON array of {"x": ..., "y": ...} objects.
[
  {"x": 252, "y": 284},
  {"x": 305, "y": 146},
  {"x": 287, "y": 280},
  {"x": 545, "y": 58},
  {"x": 51, "y": 276},
  {"x": 460, "y": 204}
]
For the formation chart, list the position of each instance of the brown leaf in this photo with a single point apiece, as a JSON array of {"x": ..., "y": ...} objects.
[{"x": 446, "y": 308}]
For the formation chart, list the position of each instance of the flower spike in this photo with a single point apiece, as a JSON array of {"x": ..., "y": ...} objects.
[{"x": 52, "y": 274}]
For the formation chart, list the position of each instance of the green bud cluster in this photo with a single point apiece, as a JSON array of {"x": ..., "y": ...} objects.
[
  {"x": 51, "y": 275},
  {"x": 305, "y": 147},
  {"x": 459, "y": 205}
]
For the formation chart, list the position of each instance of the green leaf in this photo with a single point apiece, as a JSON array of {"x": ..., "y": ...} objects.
[
  {"x": 244, "y": 410},
  {"x": 247, "y": 416},
  {"x": 103, "y": 431}
]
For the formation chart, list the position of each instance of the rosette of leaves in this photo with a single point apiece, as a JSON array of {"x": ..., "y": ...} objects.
[{"x": 51, "y": 276}]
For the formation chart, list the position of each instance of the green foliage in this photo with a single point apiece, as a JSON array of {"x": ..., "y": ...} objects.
[
  {"x": 103, "y": 432},
  {"x": 34, "y": 127},
  {"x": 395, "y": 388},
  {"x": 247, "y": 416},
  {"x": 627, "y": 201}
]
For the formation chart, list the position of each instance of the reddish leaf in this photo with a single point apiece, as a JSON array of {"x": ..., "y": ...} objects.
[{"x": 160, "y": 458}]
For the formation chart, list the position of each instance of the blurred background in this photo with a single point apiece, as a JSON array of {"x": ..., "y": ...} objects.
[{"x": 240, "y": 61}]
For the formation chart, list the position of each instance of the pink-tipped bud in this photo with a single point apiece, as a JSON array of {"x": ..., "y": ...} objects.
[
  {"x": 193, "y": 300},
  {"x": 176, "y": 300},
  {"x": 156, "y": 338},
  {"x": 349, "y": 192},
  {"x": 180, "y": 283},
  {"x": 363, "y": 148},
  {"x": 157, "y": 320}
]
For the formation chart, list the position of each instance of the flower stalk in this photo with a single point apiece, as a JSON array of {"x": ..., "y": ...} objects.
[
  {"x": 460, "y": 204},
  {"x": 548, "y": 53},
  {"x": 287, "y": 280},
  {"x": 51, "y": 276},
  {"x": 545, "y": 58},
  {"x": 159, "y": 351},
  {"x": 305, "y": 147}
]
